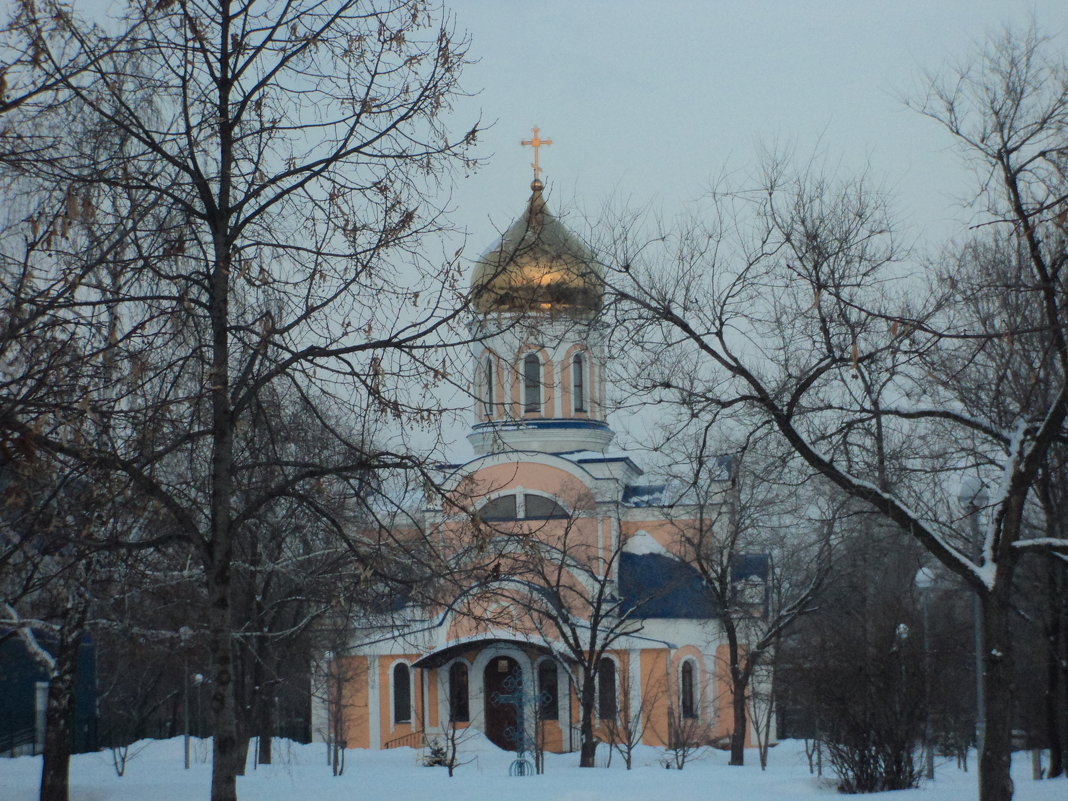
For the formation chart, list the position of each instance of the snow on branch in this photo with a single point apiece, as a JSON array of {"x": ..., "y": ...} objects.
[
  {"x": 29, "y": 636},
  {"x": 1054, "y": 544}
]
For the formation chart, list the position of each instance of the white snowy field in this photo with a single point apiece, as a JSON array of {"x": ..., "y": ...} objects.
[{"x": 155, "y": 773}]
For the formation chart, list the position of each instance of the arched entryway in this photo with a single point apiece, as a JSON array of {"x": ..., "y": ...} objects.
[{"x": 502, "y": 681}]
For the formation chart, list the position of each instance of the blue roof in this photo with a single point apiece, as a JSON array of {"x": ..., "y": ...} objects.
[
  {"x": 655, "y": 585},
  {"x": 750, "y": 567},
  {"x": 643, "y": 494}
]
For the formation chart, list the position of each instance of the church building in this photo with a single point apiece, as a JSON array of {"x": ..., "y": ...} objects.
[{"x": 570, "y": 584}]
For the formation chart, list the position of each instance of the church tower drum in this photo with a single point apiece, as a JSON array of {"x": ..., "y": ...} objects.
[{"x": 539, "y": 365}]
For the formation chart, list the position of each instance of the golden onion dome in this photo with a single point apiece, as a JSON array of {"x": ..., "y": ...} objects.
[{"x": 538, "y": 266}]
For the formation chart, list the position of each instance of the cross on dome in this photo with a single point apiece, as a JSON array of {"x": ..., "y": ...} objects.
[{"x": 535, "y": 143}]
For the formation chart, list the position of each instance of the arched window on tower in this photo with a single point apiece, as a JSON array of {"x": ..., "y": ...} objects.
[
  {"x": 402, "y": 694},
  {"x": 487, "y": 386},
  {"x": 687, "y": 696},
  {"x": 578, "y": 383},
  {"x": 531, "y": 383},
  {"x": 458, "y": 706},
  {"x": 606, "y": 689}
]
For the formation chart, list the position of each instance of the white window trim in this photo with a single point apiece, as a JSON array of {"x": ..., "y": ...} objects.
[
  {"x": 540, "y": 389},
  {"x": 393, "y": 723},
  {"x": 698, "y": 694},
  {"x": 597, "y": 687},
  {"x": 578, "y": 368}
]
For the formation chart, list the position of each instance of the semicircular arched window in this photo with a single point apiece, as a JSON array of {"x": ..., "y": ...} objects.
[
  {"x": 542, "y": 507},
  {"x": 502, "y": 508}
]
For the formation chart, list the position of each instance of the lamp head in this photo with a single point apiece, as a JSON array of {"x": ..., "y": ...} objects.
[{"x": 972, "y": 493}]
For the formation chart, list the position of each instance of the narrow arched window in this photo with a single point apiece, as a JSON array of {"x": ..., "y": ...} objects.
[
  {"x": 402, "y": 694},
  {"x": 531, "y": 384},
  {"x": 487, "y": 387},
  {"x": 578, "y": 385},
  {"x": 686, "y": 691},
  {"x": 548, "y": 699},
  {"x": 606, "y": 689},
  {"x": 458, "y": 706}
]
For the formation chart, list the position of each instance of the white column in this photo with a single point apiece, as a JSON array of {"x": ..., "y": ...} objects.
[
  {"x": 635, "y": 679},
  {"x": 374, "y": 712},
  {"x": 320, "y": 707}
]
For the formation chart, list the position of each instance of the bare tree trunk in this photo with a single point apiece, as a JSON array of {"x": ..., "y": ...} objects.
[
  {"x": 1054, "y": 688},
  {"x": 1056, "y": 700},
  {"x": 59, "y": 719},
  {"x": 588, "y": 752},
  {"x": 738, "y": 733},
  {"x": 739, "y": 680},
  {"x": 223, "y": 713},
  {"x": 995, "y": 780},
  {"x": 266, "y": 732},
  {"x": 244, "y": 742},
  {"x": 220, "y": 587}
]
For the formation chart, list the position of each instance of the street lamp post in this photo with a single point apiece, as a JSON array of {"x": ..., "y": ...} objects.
[
  {"x": 972, "y": 496},
  {"x": 185, "y": 633},
  {"x": 198, "y": 680},
  {"x": 925, "y": 579}
]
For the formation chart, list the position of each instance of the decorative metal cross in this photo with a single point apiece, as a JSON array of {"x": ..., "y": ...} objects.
[
  {"x": 535, "y": 143},
  {"x": 520, "y": 699}
]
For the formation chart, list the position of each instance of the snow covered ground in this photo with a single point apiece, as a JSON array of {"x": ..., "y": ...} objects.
[{"x": 155, "y": 773}]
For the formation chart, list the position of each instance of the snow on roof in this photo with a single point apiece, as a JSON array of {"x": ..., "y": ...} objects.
[
  {"x": 643, "y": 494},
  {"x": 642, "y": 542},
  {"x": 592, "y": 456}
]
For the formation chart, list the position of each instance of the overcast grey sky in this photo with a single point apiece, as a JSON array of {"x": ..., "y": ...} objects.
[{"x": 645, "y": 101}]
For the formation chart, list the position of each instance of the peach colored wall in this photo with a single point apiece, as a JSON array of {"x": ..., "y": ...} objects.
[
  {"x": 474, "y": 489},
  {"x": 551, "y": 735},
  {"x": 578, "y": 536},
  {"x": 352, "y": 672},
  {"x": 432, "y": 698},
  {"x": 665, "y": 532},
  {"x": 660, "y": 682},
  {"x": 537, "y": 476},
  {"x": 654, "y": 678},
  {"x": 726, "y": 699}
]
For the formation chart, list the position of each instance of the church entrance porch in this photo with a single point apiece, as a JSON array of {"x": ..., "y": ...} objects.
[{"x": 503, "y": 686}]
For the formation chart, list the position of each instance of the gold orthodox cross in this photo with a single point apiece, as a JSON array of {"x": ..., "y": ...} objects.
[{"x": 535, "y": 143}]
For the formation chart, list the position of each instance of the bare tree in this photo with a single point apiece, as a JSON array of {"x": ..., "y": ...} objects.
[
  {"x": 856, "y": 666},
  {"x": 627, "y": 730},
  {"x": 684, "y": 741},
  {"x": 756, "y": 546},
  {"x": 566, "y": 583},
  {"x": 789, "y": 303},
  {"x": 285, "y": 158}
]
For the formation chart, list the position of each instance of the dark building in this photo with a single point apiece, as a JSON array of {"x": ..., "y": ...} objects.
[{"x": 23, "y": 695}]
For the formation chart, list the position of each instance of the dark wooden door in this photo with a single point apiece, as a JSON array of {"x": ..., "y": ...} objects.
[{"x": 500, "y": 715}]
